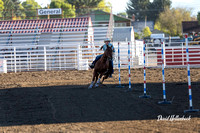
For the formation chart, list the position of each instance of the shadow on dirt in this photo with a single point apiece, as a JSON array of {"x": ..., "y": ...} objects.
[{"x": 65, "y": 104}]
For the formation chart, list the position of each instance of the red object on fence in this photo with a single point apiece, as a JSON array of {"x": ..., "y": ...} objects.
[{"x": 177, "y": 56}]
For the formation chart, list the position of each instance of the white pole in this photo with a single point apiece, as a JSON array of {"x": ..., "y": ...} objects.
[
  {"x": 182, "y": 55},
  {"x": 11, "y": 61},
  {"x": 147, "y": 54},
  {"x": 164, "y": 56},
  {"x": 59, "y": 58},
  {"x": 27, "y": 62},
  {"x": 189, "y": 79},
  {"x": 78, "y": 57},
  {"x": 15, "y": 59},
  {"x": 30, "y": 61},
  {"x": 45, "y": 59}
]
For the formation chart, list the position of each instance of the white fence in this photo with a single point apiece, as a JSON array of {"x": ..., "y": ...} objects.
[
  {"x": 60, "y": 56},
  {"x": 67, "y": 57}
]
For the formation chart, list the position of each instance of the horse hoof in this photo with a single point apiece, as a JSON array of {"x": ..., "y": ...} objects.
[
  {"x": 96, "y": 85},
  {"x": 90, "y": 87}
]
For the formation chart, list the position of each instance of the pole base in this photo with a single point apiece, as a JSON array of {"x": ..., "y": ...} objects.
[
  {"x": 191, "y": 110},
  {"x": 129, "y": 90},
  {"x": 145, "y": 96},
  {"x": 120, "y": 86},
  {"x": 165, "y": 102}
]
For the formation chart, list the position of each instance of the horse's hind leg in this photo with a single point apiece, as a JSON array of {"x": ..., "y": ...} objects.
[
  {"x": 104, "y": 77},
  {"x": 98, "y": 81}
]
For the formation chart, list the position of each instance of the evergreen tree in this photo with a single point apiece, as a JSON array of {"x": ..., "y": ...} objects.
[
  {"x": 83, "y": 6},
  {"x": 198, "y": 17},
  {"x": 144, "y": 8},
  {"x": 139, "y": 8},
  {"x": 156, "y": 7}
]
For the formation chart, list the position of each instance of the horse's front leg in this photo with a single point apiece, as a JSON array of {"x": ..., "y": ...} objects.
[{"x": 93, "y": 78}]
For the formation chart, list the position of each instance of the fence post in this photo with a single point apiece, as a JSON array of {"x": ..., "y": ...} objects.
[
  {"x": 27, "y": 62},
  {"x": 11, "y": 65},
  {"x": 59, "y": 57},
  {"x": 183, "y": 60},
  {"x": 93, "y": 51},
  {"x": 78, "y": 57},
  {"x": 15, "y": 59},
  {"x": 45, "y": 59}
]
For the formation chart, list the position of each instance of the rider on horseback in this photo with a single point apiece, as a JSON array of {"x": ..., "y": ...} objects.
[{"x": 104, "y": 47}]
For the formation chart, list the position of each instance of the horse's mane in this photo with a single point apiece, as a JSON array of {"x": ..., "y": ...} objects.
[{"x": 108, "y": 51}]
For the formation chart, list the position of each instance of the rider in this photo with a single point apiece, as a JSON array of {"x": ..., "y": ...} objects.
[{"x": 104, "y": 47}]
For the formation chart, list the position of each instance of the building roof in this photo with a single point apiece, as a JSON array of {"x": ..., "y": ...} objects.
[
  {"x": 45, "y": 25},
  {"x": 190, "y": 27},
  {"x": 123, "y": 34},
  {"x": 99, "y": 15}
]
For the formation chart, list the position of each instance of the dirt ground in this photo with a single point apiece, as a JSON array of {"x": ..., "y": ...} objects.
[{"x": 60, "y": 102}]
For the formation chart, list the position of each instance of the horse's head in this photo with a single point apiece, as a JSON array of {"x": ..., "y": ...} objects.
[{"x": 108, "y": 53}]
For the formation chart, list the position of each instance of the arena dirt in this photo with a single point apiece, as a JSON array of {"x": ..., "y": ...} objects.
[{"x": 59, "y": 102}]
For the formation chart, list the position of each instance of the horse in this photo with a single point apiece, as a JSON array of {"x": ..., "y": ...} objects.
[{"x": 101, "y": 68}]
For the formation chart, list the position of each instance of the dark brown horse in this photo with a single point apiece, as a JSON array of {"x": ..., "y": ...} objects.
[{"x": 101, "y": 68}]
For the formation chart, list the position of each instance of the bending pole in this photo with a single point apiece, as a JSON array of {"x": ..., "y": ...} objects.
[
  {"x": 145, "y": 92},
  {"x": 129, "y": 67},
  {"x": 163, "y": 76},
  {"x": 120, "y": 86},
  {"x": 189, "y": 80}
]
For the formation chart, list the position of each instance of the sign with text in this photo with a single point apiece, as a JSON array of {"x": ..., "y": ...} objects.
[{"x": 55, "y": 11}]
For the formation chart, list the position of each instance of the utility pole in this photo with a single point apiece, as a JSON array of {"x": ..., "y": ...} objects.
[
  {"x": 145, "y": 25},
  {"x": 48, "y": 8}
]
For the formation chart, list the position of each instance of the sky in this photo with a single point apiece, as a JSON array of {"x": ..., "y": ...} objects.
[{"x": 120, "y": 5}]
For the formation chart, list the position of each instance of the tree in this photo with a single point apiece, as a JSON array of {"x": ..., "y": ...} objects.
[
  {"x": 139, "y": 8},
  {"x": 156, "y": 7},
  {"x": 170, "y": 21},
  {"x": 83, "y": 6},
  {"x": 137, "y": 35},
  {"x": 144, "y": 8},
  {"x": 1, "y": 7},
  {"x": 124, "y": 14},
  {"x": 67, "y": 9},
  {"x": 146, "y": 32},
  {"x": 11, "y": 9},
  {"x": 30, "y": 9},
  {"x": 104, "y": 6},
  {"x": 198, "y": 17}
]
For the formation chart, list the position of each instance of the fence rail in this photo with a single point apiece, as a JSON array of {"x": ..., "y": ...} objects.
[{"x": 65, "y": 56}]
